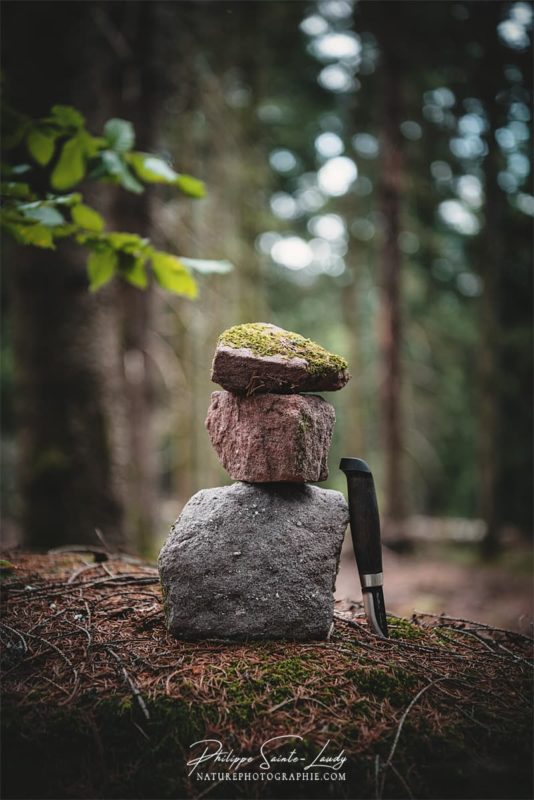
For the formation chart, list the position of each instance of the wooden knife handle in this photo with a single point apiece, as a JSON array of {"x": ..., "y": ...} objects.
[{"x": 364, "y": 518}]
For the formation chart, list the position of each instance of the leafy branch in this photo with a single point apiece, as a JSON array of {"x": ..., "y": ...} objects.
[{"x": 61, "y": 147}]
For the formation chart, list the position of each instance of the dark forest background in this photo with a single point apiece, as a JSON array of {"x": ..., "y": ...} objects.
[{"x": 368, "y": 173}]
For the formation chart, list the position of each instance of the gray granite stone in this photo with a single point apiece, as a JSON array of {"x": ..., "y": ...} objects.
[{"x": 254, "y": 561}]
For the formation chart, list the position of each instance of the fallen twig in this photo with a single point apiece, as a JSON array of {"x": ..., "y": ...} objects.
[
  {"x": 389, "y": 759},
  {"x": 133, "y": 687},
  {"x": 474, "y": 625},
  {"x": 81, "y": 570},
  {"x": 17, "y": 633}
]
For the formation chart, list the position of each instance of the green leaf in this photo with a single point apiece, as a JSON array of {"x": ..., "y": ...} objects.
[
  {"x": 191, "y": 186},
  {"x": 110, "y": 163},
  {"x": 45, "y": 215},
  {"x": 134, "y": 271},
  {"x": 91, "y": 240},
  {"x": 101, "y": 267},
  {"x": 9, "y": 171},
  {"x": 119, "y": 134},
  {"x": 91, "y": 144},
  {"x": 172, "y": 275},
  {"x": 70, "y": 167},
  {"x": 71, "y": 199},
  {"x": 127, "y": 181},
  {"x": 20, "y": 169},
  {"x": 41, "y": 146},
  {"x": 87, "y": 217},
  {"x": 152, "y": 169},
  {"x": 62, "y": 231},
  {"x": 129, "y": 243},
  {"x": 15, "y": 189},
  {"x": 206, "y": 266},
  {"x": 66, "y": 116},
  {"x": 36, "y": 235}
]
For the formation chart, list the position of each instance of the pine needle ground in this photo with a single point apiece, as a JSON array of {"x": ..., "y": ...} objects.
[{"x": 100, "y": 702}]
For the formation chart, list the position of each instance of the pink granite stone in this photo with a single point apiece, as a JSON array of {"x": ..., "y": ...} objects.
[{"x": 270, "y": 437}]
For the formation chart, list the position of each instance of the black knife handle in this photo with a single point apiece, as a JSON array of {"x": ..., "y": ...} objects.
[{"x": 364, "y": 519}]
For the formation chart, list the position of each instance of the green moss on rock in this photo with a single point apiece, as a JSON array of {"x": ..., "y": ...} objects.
[{"x": 264, "y": 339}]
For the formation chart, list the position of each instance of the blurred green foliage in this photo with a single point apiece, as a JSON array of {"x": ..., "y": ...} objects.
[{"x": 35, "y": 216}]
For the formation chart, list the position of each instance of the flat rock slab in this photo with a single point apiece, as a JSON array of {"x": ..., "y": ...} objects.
[
  {"x": 271, "y": 437},
  {"x": 260, "y": 358},
  {"x": 254, "y": 561}
]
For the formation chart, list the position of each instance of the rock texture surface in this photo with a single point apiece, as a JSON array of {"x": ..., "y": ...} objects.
[
  {"x": 260, "y": 358},
  {"x": 254, "y": 562},
  {"x": 271, "y": 437}
]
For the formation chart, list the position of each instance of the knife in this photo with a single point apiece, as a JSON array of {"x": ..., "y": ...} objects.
[{"x": 365, "y": 531}]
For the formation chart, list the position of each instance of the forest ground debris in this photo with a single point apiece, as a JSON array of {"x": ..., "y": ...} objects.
[{"x": 441, "y": 700}]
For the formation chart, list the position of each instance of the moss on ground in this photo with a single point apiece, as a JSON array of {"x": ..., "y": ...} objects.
[
  {"x": 262, "y": 340},
  {"x": 403, "y": 629},
  {"x": 394, "y": 684}
]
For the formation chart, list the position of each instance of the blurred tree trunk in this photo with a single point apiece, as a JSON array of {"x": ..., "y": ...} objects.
[
  {"x": 139, "y": 83},
  {"x": 490, "y": 257},
  {"x": 489, "y": 360},
  {"x": 353, "y": 427},
  {"x": 390, "y": 331},
  {"x": 68, "y": 401},
  {"x": 65, "y": 339},
  {"x": 384, "y": 21}
]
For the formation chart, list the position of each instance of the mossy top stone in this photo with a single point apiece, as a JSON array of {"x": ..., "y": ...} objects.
[{"x": 259, "y": 357}]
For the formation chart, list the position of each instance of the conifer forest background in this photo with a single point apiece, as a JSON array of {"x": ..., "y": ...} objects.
[{"x": 367, "y": 168}]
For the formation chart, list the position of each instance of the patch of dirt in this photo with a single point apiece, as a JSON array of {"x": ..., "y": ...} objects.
[{"x": 424, "y": 581}]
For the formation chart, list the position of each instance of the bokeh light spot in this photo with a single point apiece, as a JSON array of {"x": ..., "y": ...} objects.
[
  {"x": 329, "y": 145},
  {"x": 337, "y": 175},
  {"x": 282, "y": 160},
  {"x": 292, "y": 252}
]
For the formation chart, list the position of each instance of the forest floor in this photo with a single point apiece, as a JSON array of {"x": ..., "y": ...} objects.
[
  {"x": 100, "y": 702},
  {"x": 451, "y": 578}
]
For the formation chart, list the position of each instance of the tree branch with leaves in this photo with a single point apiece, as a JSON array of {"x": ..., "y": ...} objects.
[{"x": 38, "y": 209}]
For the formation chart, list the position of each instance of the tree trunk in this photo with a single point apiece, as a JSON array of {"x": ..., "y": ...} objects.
[
  {"x": 137, "y": 84},
  {"x": 489, "y": 374},
  {"x": 354, "y": 432},
  {"x": 68, "y": 381},
  {"x": 68, "y": 401},
  {"x": 390, "y": 330},
  {"x": 491, "y": 256}
]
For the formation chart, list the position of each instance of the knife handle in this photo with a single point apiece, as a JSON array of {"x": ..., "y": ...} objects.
[{"x": 364, "y": 520}]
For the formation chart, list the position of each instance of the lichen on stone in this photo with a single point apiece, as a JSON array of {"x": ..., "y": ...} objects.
[
  {"x": 304, "y": 425},
  {"x": 263, "y": 339}
]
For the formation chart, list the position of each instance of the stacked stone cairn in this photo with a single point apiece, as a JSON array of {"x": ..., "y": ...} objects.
[{"x": 258, "y": 559}]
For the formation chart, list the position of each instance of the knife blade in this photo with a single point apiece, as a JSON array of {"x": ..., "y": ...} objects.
[{"x": 365, "y": 532}]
